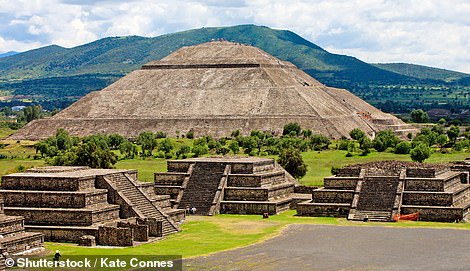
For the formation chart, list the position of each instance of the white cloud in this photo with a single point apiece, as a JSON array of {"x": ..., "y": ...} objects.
[{"x": 429, "y": 32}]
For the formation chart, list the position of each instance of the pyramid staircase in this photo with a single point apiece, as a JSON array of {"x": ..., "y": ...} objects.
[
  {"x": 140, "y": 203},
  {"x": 202, "y": 187},
  {"x": 377, "y": 198}
]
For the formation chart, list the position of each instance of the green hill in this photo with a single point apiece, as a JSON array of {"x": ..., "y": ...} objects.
[
  {"x": 422, "y": 72},
  {"x": 54, "y": 76}
]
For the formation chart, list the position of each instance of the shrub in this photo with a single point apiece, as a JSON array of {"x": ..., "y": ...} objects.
[
  {"x": 420, "y": 153},
  {"x": 403, "y": 148}
]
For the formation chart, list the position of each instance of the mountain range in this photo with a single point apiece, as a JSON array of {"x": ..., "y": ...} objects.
[{"x": 55, "y": 76}]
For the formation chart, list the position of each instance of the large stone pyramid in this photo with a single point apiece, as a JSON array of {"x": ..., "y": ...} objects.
[{"x": 215, "y": 88}]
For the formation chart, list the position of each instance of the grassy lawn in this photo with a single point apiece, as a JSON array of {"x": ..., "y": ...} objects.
[
  {"x": 205, "y": 235},
  {"x": 145, "y": 167}
]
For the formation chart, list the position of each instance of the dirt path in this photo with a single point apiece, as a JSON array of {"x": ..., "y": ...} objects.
[{"x": 318, "y": 247}]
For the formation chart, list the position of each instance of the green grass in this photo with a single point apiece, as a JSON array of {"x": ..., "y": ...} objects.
[{"x": 145, "y": 167}]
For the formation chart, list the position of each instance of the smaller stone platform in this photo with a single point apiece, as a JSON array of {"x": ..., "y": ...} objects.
[
  {"x": 67, "y": 203},
  {"x": 237, "y": 185},
  {"x": 380, "y": 190}
]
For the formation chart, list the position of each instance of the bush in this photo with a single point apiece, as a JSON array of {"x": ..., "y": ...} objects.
[
  {"x": 403, "y": 148},
  {"x": 292, "y": 128},
  {"x": 357, "y": 134},
  {"x": 190, "y": 134},
  {"x": 420, "y": 153},
  {"x": 343, "y": 145},
  {"x": 292, "y": 162}
]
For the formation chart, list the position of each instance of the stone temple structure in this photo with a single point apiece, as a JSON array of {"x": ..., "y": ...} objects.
[
  {"x": 88, "y": 206},
  {"x": 215, "y": 88},
  {"x": 378, "y": 191},
  {"x": 243, "y": 185}
]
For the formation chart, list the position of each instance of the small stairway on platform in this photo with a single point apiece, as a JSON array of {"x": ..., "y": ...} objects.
[
  {"x": 202, "y": 186},
  {"x": 377, "y": 198}
]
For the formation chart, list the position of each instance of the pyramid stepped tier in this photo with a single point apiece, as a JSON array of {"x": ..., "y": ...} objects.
[
  {"x": 381, "y": 191},
  {"x": 240, "y": 185},
  {"x": 215, "y": 88},
  {"x": 66, "y": 203},
  {"x": 54, "y": 199},
  {"x": 14, "y": 239}
]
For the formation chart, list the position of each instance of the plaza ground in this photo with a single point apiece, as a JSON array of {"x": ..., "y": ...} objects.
[{"x": 327, "y": 247}]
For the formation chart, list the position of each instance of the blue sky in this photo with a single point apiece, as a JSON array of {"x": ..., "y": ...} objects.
[{"x": 429, "y": 32}]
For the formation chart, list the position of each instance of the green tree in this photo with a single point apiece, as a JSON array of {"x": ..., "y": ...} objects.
[
  {"x": 115, "y": 141},
  {"x": 420, "y": 153},
  {"x": 234, "y": 147},
  {"x": 292, "y": 128},
  {"x": 128, "y": 149},
  {"x": 453, "y": 133},
  {"x": 292, "y": 162},
  {"x": 183, "y": 151},
  {"x": 63, "y": 140},
  {"x": 319, "y": 142},
  {"x": 165, "y": 146},
  {"x": 249, "y": 144},
  {"x": 357, "y": 134},
  {"x": 190, "y": 134},
  {"x": 403, "y": 147},
  {"x": 419, "y": 116},
  {"x": 385, "y": 139},
  {"x": 148, "y": 141}
]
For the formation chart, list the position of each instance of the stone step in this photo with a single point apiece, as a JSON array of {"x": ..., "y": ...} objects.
[
  {"x": 378, "y": 216},
  {"x": 21, "y": 242}
]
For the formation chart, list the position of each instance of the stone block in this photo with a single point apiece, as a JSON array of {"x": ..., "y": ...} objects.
[{"x": 87, "y": 241}]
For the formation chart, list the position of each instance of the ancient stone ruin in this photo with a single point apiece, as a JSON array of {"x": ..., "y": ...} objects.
[
  {"x": 215, "y": 88},
  {"x": 243, "y": 185},
  {"x": 378, "y": 191},
  {"x": 89, "y": 206},
  {"x": 13, "y": 237}
]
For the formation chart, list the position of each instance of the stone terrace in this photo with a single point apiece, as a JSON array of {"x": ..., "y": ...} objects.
[
  {"x": 242, "y": 185},
  {"x": 380, "y": 190},
  {"x": 14, "y": 239},
  {"x": 67, "y": 203}
]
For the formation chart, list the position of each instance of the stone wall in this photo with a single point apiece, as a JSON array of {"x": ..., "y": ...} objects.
[
  {"x": 179, "y": 166},
  {"x": 420, "y": 172},
  {"x": 11, "y": 225},
  {"x": 256, "y": 194},
  {"x": 348, "y": 172},
  {"x": 20, "y": 244},
  {"x": 140, "y": 233},
  {"x": 173, "y": 191},
  {"x": 348, "y": 183},
  {"x": 303, "y": 189},
  {"x": 251, "y": 207},
  {"x": 417, "y": 184},
  {"x": 333, "y": 196},
  {"x": 113, "y": 236},
  {"x": 47, "y": 183},
  {"x": 256, "y": 180},
  {"x": 53, "y": 199},
  {"x": 70, "y": 234},
  {"x": 170, "y": 178},
  {"x": 315, "y": 209},
  {"x": 72, "y": 217},
  {"x": 427, "y": 198},
  {"x": 434, "y": 213}
]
